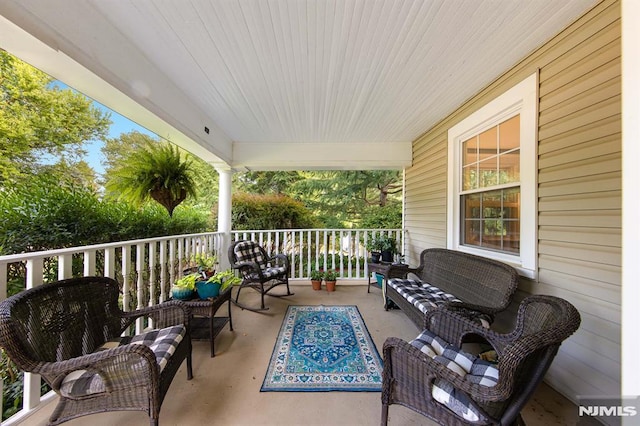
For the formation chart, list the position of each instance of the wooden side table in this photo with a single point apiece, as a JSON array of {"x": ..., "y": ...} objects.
[
  {"x": 387, "y": 270},
  {"x": 204, "y": 324}
]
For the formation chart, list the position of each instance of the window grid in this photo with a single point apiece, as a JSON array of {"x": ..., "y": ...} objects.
[{"x": 486, "y": 225}]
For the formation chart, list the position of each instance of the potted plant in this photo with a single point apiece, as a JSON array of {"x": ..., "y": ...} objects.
[
  {"x": 206, "y": 264},
  {"x": 382, "y": 246},
  {"x": 330, "y": 278},
  {"x": 316, "y": 279},
  {"x": 216, "y": 284},
  {"x": 183, "y": 288}
]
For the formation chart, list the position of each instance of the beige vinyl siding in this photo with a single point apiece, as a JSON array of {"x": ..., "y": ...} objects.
[{"x": 579, "y": 191}]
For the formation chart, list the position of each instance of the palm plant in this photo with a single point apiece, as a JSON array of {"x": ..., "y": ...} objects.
[{"x": 156, "y": 171}]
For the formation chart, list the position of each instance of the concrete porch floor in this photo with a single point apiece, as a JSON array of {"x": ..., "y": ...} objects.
[{"x": 225, "y": 389}]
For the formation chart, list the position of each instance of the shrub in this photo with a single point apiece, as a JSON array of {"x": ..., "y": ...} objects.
[
  {"x": 44, "y": 213},
  {"x": 251, "y": 211}
]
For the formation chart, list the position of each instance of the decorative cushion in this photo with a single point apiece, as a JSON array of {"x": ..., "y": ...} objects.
[
  {"x": 425, "y": 296},
  {"x": 269, "y": 273},
  {"x": 422, "y": 295},
  {"x": 162, "y": 342},
  {"x": 472, "y": 368},
  {"x": 248, "y": 251}
]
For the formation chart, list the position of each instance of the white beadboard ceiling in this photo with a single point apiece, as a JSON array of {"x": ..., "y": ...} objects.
[{"x": 283, "y": 84}]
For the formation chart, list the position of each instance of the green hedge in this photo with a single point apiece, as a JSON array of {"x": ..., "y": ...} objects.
[{"x": 45, "y": 214}]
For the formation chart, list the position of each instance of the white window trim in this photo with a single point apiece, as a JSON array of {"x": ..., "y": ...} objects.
[{"x": 521, "y": 99}]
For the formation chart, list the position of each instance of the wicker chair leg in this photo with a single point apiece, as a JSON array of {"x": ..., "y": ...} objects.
[
  {"x": 189, "y": 367},
  {"x": 385, "y": 415}
]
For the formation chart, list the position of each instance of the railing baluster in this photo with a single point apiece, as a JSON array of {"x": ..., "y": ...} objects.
[
  {"x": 172, "y": 261},
  {"x": 163, "y": 271},
  {"x": 89, "y": 263},
  {"x": 110, "y": 262},
  {"x": 139, "y": 285},
  {"x": 126, "y": 259},
  {"x": 3, "y": 282},
  {"x": 65, "y": 266},
  {"x": 152, "y": 273},
  {"x": 356, "y": 244}
]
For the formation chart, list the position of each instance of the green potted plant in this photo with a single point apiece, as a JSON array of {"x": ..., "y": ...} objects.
[
  {"x": 316, "y": 279},
  {"x": 383, "y": 246},
  {"x": 216, "y": 284},
  {"x": 330, "y": 278},
  {"x": 183, "y": 288},
  {"x": 206, "y": 264}
]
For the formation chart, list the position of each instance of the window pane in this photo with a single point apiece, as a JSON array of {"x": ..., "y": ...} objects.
[
  {"x": 471, "y": 205},
  {"x": 488, "y": 143},
  {"x": 488, "y": 170},
  {"x": 511, "y": 203},
  {"x": 510, "y": 134},
  {"x": 511, "y": 242},
  {"x": 470, "y": 177},
  {"x": 471, "y": 222},
  {"x": 470, "y": 151},
  {"x": 492, "y": 205},
  {"x": 510, "y": 167}
]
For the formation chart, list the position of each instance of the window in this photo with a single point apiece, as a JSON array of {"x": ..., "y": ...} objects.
[{"x": 492, "y": 179}]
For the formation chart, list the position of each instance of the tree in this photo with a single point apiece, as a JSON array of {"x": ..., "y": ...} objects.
[
  {"x": 157, "y": 171},
  {"x": 345, "y": 196},
  {"x": 38, "y": 119},
  {"x": 268, "y": 182},
  {"x": 78, "y": 172}
]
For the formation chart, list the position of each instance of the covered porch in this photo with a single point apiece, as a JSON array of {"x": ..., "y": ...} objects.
[{"x": 352, "y": 93}]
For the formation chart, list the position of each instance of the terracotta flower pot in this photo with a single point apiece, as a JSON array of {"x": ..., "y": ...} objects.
[
  {"x": 331, "y": 285},
  {"x": 316, "y": 284}
]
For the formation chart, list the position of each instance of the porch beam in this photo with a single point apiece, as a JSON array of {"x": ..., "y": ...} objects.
[{"x": 322, "y": 156}]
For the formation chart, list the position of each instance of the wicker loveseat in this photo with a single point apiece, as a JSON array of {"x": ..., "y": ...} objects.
[
  {"x": 70, "y": 331},
  {"x": 471, "y": 284}
]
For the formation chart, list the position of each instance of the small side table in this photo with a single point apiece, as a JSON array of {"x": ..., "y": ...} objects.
[
  {"x": 387, "y": 270},
  {"x": 207, "y": 325}
]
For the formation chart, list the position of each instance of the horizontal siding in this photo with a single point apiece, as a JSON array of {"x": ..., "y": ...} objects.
[{"x": 579, "y": 192}]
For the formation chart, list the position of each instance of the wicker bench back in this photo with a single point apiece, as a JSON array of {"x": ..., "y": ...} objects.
[
  {"x": 473, "y": 279},
  {"x": 52, "y": 323}
]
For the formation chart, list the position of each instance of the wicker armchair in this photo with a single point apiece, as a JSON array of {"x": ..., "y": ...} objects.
[
  {"x": 416, "y": 377},
  {"x": 258, "y": 270},
  {"x": 69, "y": 332}
]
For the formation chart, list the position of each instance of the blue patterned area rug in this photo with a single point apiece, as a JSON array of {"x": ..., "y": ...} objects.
[{"x": 323, "y": 348}]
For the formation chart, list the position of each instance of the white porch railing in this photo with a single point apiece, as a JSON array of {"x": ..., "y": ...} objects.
[
  {"x": 343, "y": 250},
  {"x": 146, "y": 268}
]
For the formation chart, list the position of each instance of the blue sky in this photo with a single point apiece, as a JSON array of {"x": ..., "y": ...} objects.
[{"x": 119, "y": 125}]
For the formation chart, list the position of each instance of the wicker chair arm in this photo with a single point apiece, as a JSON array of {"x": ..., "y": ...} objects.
[
  {"x": 407, "y": 364},
  {"x": 248, "y": 268},
  {"x": 469, "y": 308},
  {"x": 415, "y": 271},
  {"x": 453, "y": 328},
  {"x": 173, "y": 312},
  {"x": 107, "y": 363},
  {"x": 280, "y": 258}
]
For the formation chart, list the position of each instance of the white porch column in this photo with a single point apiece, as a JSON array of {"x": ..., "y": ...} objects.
[
  {"x": 224, "y": 212},
  {"x": 630, "y": 199}
]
